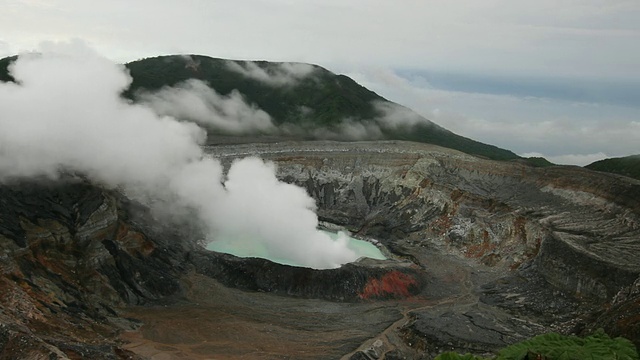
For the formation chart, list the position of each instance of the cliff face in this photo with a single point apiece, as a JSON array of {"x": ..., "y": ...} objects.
[
  {"x": 581, "y": 228},
  {"x": 488, "y": 253},
  {"x": 70, "y": 253}
]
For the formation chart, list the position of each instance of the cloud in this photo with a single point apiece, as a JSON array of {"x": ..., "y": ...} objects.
[
  {"x": 347, "y": 129},
  {"x": 65, "y": 114},
  {"x": 582, "y": 38},
  {"x": 281, "y": 212},
  {"x": 391, "y": 117},
  {"x": 5, "y": 49},
  {"x": 586, "y": 39},
  {"x": 394, "y": 116},
  {"x": 570, "y": 159},
  {"x": 273, "y": 74},
  {"x": 195, "y": 101},
  {"x": 566, "y": 130},
  {"x": 68, "y": 101}
]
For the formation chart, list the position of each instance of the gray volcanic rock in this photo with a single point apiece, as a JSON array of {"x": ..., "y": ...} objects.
[
  {"x": 474, "y": 328},
  {"x": 357, "y": 281},
  {"x": 622, "y": 318}
]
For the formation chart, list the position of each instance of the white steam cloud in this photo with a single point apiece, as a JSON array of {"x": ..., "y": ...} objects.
[
  {"x": 275, "y": 75},
  {"x": 66, "y": 114},
  {"x": 392, "y": 117},
  {"x": 349, "y": 129},
  {"x": 195, "y": 101}
]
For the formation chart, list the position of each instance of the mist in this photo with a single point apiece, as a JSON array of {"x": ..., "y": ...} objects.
[
  {"x": 278, "y": 74},
  {"x": 65, "y": 114},
  {"x": 195, "y": 101},
  {"x": 391, "y": 117}
]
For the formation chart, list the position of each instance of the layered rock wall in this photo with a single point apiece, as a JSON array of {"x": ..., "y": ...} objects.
[
  {"x": 581, "y": 227},
  {"x": 70, "y": 253}
]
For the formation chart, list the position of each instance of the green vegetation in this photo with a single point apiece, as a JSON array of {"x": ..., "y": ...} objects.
[
  {"x": 322, "y": 100},
  {"x": 627, "y": 166},
  {"x": 538, "y": 162},
  {"x": 330, "y": 97},
  {"x": 4, "y": 68},
  {"x": 431, "y": 133},
  {"x": 552, "y": 346}
]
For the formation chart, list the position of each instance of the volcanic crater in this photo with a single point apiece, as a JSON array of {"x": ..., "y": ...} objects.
[{"x": 482, "y": 254}]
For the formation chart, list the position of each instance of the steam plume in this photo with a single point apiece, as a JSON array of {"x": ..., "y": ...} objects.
[{"x": 65, "y": 113}]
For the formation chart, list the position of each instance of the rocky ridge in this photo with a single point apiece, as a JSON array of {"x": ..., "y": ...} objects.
[{"x": 72, "y": 254}]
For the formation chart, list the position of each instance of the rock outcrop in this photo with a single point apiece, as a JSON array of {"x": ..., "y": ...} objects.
[
  {"x": 70, "y": 254},
  {"x": 362, "y": 280}
]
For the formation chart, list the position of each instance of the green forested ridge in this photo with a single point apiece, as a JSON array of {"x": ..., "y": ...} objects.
[
  {"x": 538, "y": 161},
  {"x": 627, "y": 166},
  {"x": 553, "y": 346},
  {"x": 322, "y": 100},
  {"x": 4, "y": 71},
  {"x": 332, "y": 97}
]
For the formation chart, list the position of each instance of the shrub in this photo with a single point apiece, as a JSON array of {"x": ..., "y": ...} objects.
[{"x": 553, "y": 346}]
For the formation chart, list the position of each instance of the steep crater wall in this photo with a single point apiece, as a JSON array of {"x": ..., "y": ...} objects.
[
  {"x": 70, "y": 255},
  {"x": 580, "y": 227}
]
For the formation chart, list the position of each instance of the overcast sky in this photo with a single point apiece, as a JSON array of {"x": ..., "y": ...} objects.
[{"x": 560, "y": 78}]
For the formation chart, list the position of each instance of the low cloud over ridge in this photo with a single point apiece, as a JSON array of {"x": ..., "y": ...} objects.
[
  {"x": 195, "y": 101},
  {"x": 277, "y": 74}
]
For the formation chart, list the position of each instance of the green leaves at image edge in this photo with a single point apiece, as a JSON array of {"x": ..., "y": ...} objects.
[{"x": 553, "y": 346}]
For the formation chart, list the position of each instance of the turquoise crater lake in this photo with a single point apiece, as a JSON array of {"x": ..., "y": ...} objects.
[{"x": 249, "y": 247}]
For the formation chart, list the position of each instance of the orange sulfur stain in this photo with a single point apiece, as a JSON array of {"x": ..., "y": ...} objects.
[{"x": 392, "y": 284}]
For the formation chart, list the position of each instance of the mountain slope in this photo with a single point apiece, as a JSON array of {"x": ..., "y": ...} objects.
[
  {"x": 627, "y": 166},
  {"x": 327, "y": 99},
  {"x": 331, "y": 96},
  {"x": 4, "y": 71},
  {"x": 304, "y": 100}
]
